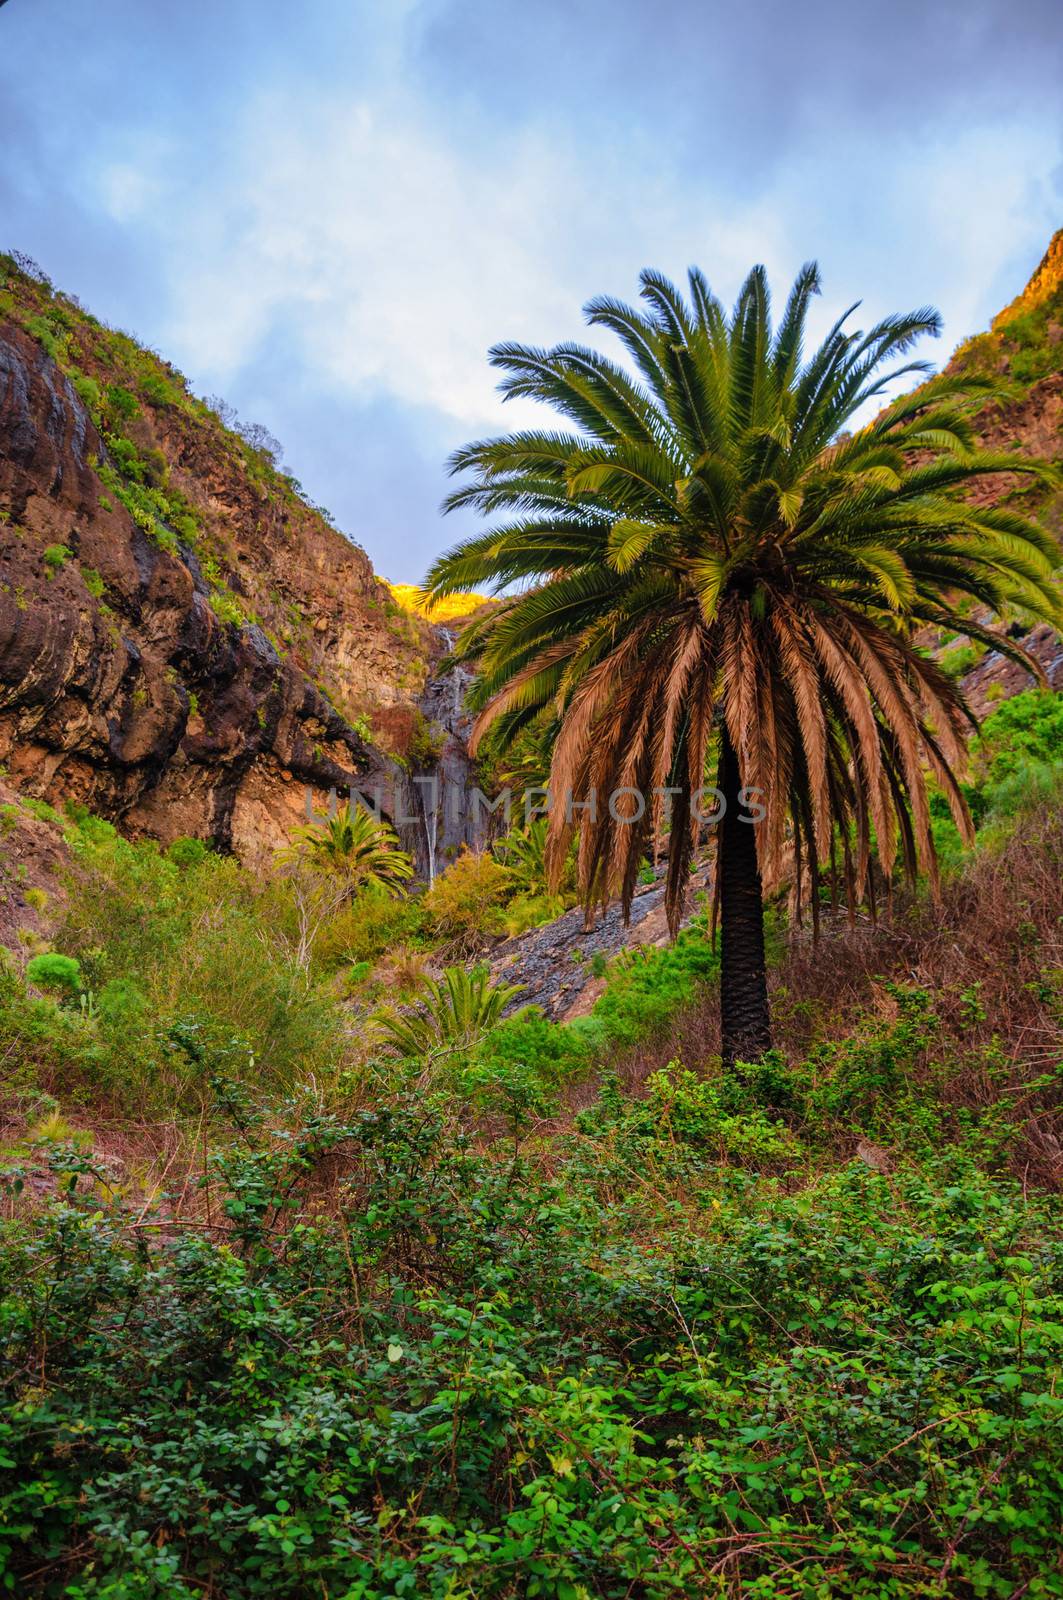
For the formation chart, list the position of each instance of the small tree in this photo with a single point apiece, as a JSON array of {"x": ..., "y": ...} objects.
[{"x": 357, "y": 846}]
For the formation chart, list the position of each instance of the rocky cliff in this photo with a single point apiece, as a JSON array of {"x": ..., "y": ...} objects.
[
  {"x": 185, "y": 643},
  {"x": 1024, "y": 349}
]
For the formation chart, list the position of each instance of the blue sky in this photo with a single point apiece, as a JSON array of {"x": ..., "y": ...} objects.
[{"x": 326, "y": 212}]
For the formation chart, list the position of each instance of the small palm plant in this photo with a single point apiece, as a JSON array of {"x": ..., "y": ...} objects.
[
  {"x": 538, "y": 897},
  {"x": 358, "y": 846},
  {"x": 454, "y": 1011},
  {"x": 709, "y": 577},
  {"x": 523, "y": 852}
]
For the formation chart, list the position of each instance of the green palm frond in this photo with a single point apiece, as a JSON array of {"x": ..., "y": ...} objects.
[
  {"x": 453, "y": 1012},
  {"x": 357, "y": 846}
]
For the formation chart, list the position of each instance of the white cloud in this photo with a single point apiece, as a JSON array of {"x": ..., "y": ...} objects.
[
  {"x": 389, "y": 249},
  {"x": 395, "y": 260},
  {"x": 127, "y": 189}
]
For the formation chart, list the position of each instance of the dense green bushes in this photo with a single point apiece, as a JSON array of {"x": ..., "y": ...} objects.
[
  {"x": 687, "y": 1346},
  {"x": 1021, "y": 733},
  {"x": 391, "y": 1366},
  {"x": 183, "y": 963},
  {"x": 172, "y": 964},
  {"x": 1017, "y": 764}
]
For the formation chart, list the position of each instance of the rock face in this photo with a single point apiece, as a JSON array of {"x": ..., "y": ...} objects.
[
  {"x": 1034, "y": 424},
  {"x": 120, "y": 684},
  {"x": 445, "y": 784},
  {"x": 553, "y": 963}
]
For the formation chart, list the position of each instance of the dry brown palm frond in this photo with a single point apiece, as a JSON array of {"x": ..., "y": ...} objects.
[
  {"x": 861, "y": 731},
  {"x": 518, "y": 685},
  {"x": 592, "y": 708},
  {"x": 808, "y": 702},
  {"x": 884, "y": 665}
]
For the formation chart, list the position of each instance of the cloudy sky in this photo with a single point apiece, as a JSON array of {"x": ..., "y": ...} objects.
[{"x": 327, "y": 211}]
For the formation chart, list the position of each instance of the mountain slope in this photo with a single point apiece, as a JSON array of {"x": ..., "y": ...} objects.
[
  {"x": 184, "y": 642},
  {"x": 1024, "y": 349}
]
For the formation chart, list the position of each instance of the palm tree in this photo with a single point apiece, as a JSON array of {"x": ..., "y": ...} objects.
[
  {"x": 708, "y": 567},
  {"x": 455, "y": 1010},
  {"x": 359, "y": 847}
]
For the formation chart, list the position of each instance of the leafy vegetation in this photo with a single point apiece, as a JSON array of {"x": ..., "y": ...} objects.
[
  {"x": 358, "y": 847},
  {"x": 188, "y": 965},
  {"x": 455, "y": 1373},
  {"x": 452, "y": 1013},
  {"x": 464, "y": 904}
]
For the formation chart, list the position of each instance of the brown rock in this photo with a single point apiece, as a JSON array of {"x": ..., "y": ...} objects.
[{"x": 96, "y": 699}]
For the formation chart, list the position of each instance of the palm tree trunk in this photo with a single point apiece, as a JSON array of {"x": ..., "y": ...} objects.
[{"x": 745, "y": 1022}]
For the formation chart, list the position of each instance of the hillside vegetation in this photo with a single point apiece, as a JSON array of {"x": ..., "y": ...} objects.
[{"x": 544, "y": 1310}]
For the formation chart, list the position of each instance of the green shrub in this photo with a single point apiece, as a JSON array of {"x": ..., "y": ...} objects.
[
  {"x": 44, "y": 1044},
  {"x": 88, "y": 391},
  {"x": 526, "y": 911},
  {"x": 50, "y": 334},
  {"x": 523, "y": 852},
  {"x": 121, "y": 1003},
  {"x": 42, "y": 810},
  {"x": 51, "y": 971},
  {"x": 367, "y": 926},
  {"x": 647, "y": 985},
  {"x": 464, "y": 904},
  {"x": 474, "y": 1379},
  {"x": 961, "y": 660},
  {"x": 546, "y": 1051},
  {"x": 55, "y": 555},
  {"x": 158, "y": 391},
  {"x": 860, "y": 1080},
  {"x": 187, "y": 852},
  {"x": 227, "y": 608},
  {"x": 681, "y": 1109},
  {"x": 121, "y": 403},
  {"x": 425, "y": 744},
  {"x": 682, "y": 1106},
  {"x": 1026, "y": 729}
]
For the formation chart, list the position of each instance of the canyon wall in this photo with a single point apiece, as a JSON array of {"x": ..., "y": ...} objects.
[{"x": 186, "y": 646}]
